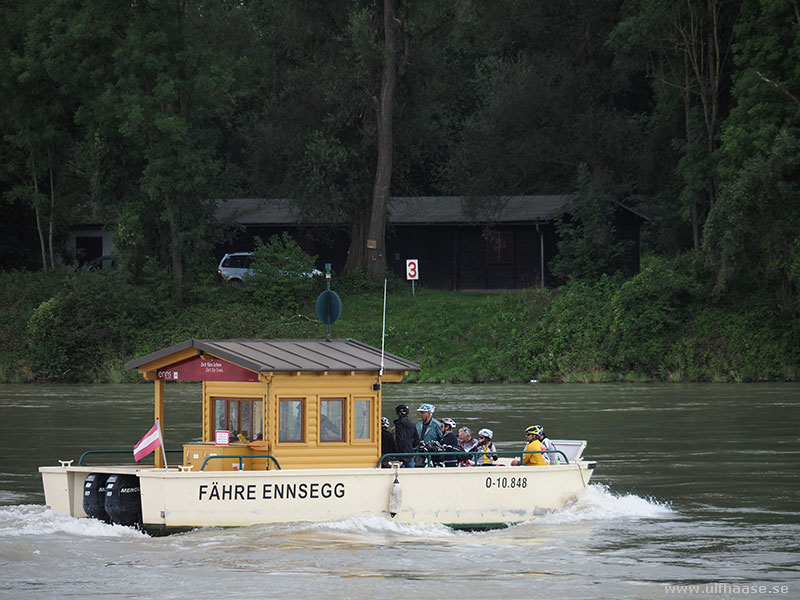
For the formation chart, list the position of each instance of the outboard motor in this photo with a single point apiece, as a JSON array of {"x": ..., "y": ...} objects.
[
  {"x": 94, "y": 496},
  {"x": 123, "y": 501}
]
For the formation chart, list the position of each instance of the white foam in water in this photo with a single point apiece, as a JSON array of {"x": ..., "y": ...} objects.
[
  {"x": 31, "y": 520},
  {"x": 374, "y": 524},
  {"x": 596, "y": 502}
]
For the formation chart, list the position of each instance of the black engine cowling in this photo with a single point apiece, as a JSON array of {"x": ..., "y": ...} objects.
[
  {"x": 123, "y": 501},
  {"x": 94, "y": 496}
]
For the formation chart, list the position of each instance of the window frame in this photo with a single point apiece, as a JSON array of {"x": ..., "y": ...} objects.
[
  {"x": 343, "y": 437},
  {"x": 370, "y": 420},
  {"x": 255, "y": 425},
  {"x": 303, "y": 416}
]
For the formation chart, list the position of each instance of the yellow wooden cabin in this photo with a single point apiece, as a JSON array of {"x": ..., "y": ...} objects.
[{"x": 307, "y": 403}]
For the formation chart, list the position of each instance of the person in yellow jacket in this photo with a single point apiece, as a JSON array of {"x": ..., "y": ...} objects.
[
  {"x": 486, "y": 446},
  {"x": 534, "y": 445}
]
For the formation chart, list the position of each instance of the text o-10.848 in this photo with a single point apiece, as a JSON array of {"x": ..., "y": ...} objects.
[{"x": 506, "y": 482}]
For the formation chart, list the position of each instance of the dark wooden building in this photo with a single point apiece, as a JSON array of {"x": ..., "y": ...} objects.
[{"x": 461, "y": 243}]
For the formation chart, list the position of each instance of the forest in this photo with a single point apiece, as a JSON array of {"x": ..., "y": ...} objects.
[{"x": 138, "y": 115}]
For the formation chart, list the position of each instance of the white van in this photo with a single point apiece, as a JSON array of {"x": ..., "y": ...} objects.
[{"x": 235, "y": 266}]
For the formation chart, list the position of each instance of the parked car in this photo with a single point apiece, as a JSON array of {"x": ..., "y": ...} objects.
[{"x": 235, "y": 266}]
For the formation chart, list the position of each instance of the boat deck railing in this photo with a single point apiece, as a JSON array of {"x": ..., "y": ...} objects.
[
  {"x": 430, "y": 458},
  {"x": 129, "y": 452},
  {"x": 450, "y": 455}
]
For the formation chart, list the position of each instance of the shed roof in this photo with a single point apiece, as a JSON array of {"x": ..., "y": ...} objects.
[
  {"x": 289, "y": 355},
  {"x": 407, "y": 210},
  {"x": 463, "y": 209}
]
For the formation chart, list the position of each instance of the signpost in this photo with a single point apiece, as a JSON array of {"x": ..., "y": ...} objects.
[
  {"x": 329, "y": 304},
  {"x": 412, "y": 271}
]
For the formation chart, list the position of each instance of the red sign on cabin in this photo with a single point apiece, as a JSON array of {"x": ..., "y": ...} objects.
[{"x": 198, "y": 368}]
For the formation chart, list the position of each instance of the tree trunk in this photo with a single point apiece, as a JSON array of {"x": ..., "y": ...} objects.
[
  {"x": 36, "y": 211},
  {"x": 52, "y": 209},
  {"x": 357, "y": 255},
  {"x": 715, "y": 60},
  {"x": 687, "y": 116},
  {"x": 376, "y": 230},
  {"x": 41, "y": 238}
]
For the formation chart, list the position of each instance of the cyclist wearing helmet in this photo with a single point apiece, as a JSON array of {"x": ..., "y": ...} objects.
[
  {"x": 534, "y": 445},
  {"x": 428, "y": 429},
  {"x": 405, "y": 434},
  {"x": 387, "y": 441},
  {"x": 448, "y": 426},
  {"x": 486, "y": 446},
  {"x": 449, "y": 438},
  {"x": 551, "y": 456}
]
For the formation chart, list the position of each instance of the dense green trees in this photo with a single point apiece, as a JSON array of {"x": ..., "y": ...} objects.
[
  {"x": 143, "y": 114},
  {"x": 753, "y": 234}
]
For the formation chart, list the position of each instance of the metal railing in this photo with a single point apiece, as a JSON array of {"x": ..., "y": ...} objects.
[
  {"x": 241, "y": 458},
  {"x": 450, "y": 455},
  {"x": 130, "y": 452}
]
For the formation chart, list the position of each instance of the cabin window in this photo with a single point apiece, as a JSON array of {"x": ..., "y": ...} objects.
[
  {"x": 240, "y": 416},
  {"x": 362, "y": 420},
  {"x": 331, "y": 420},
  {"x": 291, "y": 419}
]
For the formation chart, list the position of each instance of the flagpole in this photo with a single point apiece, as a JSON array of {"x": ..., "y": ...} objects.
[{"x": 161, "y": 439}]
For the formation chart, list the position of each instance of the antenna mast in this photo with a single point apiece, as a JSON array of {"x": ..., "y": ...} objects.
[{"x": 383, "y": 334}]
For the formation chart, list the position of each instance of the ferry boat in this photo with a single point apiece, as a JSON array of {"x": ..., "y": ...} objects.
[{"x": 290, "y": 433}]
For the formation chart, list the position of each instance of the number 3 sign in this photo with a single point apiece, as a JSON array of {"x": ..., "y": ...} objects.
[{"x": 412, "y": 269}]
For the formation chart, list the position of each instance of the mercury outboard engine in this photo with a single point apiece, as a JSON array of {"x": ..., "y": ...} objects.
[
  {"x": 123, "y": 501},
  {"x": 94, "y": 496}
]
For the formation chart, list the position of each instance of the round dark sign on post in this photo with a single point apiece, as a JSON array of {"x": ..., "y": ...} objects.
[{"x": 329, "y": 308}]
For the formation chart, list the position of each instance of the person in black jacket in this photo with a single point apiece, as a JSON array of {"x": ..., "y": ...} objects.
[
  {"x": 449, "y": 441},
  {"x": 388, "y": 444},
  {"x": 405, "y": 434}
]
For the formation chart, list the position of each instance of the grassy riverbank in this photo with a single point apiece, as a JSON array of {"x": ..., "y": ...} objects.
[{"x": 660, "y": 326}]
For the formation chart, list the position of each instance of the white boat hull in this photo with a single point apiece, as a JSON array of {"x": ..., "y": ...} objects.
[{"x": 460, "y": 497}]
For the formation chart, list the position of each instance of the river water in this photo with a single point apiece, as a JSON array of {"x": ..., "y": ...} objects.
[{"x": 696, "y": 495}]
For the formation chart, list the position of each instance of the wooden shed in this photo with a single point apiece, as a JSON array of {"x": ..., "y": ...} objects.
[
  {"x": 461, "y": 243},
  {"x": 294, "y": 403}
]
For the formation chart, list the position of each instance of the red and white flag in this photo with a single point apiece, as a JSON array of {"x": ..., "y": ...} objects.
[{"x": 148, "y": 444}]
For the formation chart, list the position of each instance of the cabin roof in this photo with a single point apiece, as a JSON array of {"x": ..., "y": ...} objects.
[{"x": 288, "y": 355}]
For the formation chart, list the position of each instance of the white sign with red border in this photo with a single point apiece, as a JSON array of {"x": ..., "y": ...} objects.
[{"x": 412, "y": 269}]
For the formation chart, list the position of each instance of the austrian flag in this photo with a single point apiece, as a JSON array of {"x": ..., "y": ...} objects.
[{"x": 146, "y": 445}]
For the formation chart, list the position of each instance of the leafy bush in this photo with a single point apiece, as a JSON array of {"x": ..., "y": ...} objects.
[
  {"x": 20, "y": 293},
  {"x": 572, "y": 332},
  {"x": 282, "y": 278},
  {"x": 93, "y": 318},
  {"x": 648, "y": 313}
]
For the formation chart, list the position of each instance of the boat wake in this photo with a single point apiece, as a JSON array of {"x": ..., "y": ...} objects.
[
  {"x": 597, "y": 502},
  {"x": 34, "y": 520},
  {"x": 373, "y": 525}
]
